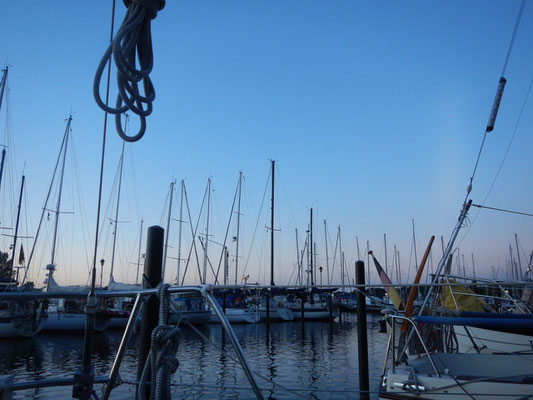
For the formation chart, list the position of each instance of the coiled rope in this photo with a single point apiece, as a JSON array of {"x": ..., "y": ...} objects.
[
  {"x": 132, "y": 42},
  {"x": 164, "y": 346}
]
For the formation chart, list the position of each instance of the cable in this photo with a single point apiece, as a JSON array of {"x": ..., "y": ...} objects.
[
  {"x": 501, "y": 209},
  {"x": 498, "y": 97},
  {"x": 133, "y": 41}
]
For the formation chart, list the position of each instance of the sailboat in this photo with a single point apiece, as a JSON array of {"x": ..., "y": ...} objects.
[
  {"x": 64, "y": 314},
  {"x": 182, "y": 308},
  {"x": 438, "y": 371},
  {"x": 18, "y": 318}
]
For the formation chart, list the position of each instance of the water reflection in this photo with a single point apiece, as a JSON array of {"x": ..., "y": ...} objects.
[{"x": 316, "y": 356}]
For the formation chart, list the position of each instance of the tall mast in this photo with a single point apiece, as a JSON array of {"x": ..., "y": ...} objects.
[
  {"x": 139, "y": 253},
  {"x": 67, "y": 130},
  {"x": 2, "y": 165},
  {"x": 272, "y": 227},
  {"x": 17, "y": 227},
  {"x": 204, "y": 278},
  {"x": 473, "y": 266},
  {"x": 3, "y": 85},
  {"x": 311, "y": 245},
  {"x": 341, "y": 257},
  {"x": 182, "y": 184},
  {"x": 386, "y": 263},
  {"x": 414, "y": 243},
  {"x": 299, "y": 279},
  {"x": 518, "y": 256},
  {"x": 238, "y": 226},
  {"x": 165, "y": 250},
  {"x": 327, "y": 256},
  {"x": 121, "y": 163}
]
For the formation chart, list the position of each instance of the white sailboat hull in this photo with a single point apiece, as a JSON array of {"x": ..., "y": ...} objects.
[
  {"x": 63, "y": 321},
  {"x": 276, "y": 314},
  {"x": 463, "y": 376},
  {"x": 490, "y": 341},
  {"x": 238, "y": 316}
]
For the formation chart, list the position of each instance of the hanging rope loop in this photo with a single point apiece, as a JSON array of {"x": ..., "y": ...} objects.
[{"x": 131, "y": 45}]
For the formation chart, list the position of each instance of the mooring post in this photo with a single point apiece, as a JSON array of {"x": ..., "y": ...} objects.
[
  {"x": 361, "y": 331},
  {"x": 151, "y": 278}
]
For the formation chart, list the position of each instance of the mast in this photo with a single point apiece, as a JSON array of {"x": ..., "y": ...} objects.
[
  {"x": 121, "y": 163},
  {"x": 67, "y": 130},
  {"x": 386, "y": 263},
  {"x": 17, "y": 227},
  {"x": 299, "y": 279},
  {"x": 2, "y": 165},
  {"x": 327, "y": 256},
  {"x": 518, "y": 256},
  {"x": 3, "y": 85},
  {"x": 182, "y": 185},
  {"x": 272, "y": 228},
  {"x": 341, "y": 257},
  {"x": 414, "y": 243},
  {"x": 311, "y": 246},
  {"x": 473, "y": 266},
  {"x": 165, "y": 249},
  {"x": 139, "y": 253},
  {"x": 238, "y": 226},
  {"x": 204, "y": 278}
]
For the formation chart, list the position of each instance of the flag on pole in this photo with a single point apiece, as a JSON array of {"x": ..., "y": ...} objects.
[
  {"x": 21, "y": 255},
  {"x": 391, "y": 291}
]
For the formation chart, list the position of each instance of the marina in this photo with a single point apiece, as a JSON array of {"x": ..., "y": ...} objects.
[{"x": 310, "y": 150}]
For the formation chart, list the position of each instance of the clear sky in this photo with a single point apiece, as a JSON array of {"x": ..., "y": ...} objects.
[{"x": 373, "y": 110}]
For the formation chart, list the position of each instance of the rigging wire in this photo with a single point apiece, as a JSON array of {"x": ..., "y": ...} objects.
[
  {"x": 497, "y": 99},
  {"x": 503, "y": 159},
  {"x": 503, "y": 210},
  {"x": 133, "y": 41}
]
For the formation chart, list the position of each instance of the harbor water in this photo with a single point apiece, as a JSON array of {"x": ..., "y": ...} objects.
[{"x": 315, "y": 360}]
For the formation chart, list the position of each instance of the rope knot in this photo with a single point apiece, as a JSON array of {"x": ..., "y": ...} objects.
[{"x": 151, "y": 6}]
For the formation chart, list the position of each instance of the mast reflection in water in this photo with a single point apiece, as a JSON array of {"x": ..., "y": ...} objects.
[{"x": 317, "y": 360}]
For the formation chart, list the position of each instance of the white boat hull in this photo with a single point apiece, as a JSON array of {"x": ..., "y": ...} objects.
[
  {"x": 490, "y": 341},
  {"x": 62, "y": 321},
  {"x": 315, "y": 313},
  {"x": 277, "y": 314},
  {"x": 467, "y": 376},
  {"x": 238, "y": 316}
]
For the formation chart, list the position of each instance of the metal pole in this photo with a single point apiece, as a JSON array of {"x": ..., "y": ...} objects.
[
  {"x": 165, "y": 248},
  {"x": 518, "y": 256},
  {"x": 139, "y": 254},
  {"x": 311, "y": 246},
  {"x": 272, "y": 229},
  {"x": 362, "y": 332},
  {"x": 151, "y": 278},
  {"x": 238, "y": 226},
  {"x": 17, "y": 227},
  {"x": 116, "y": 212},
  {"x": 327, "y": 256},
  {"x": 67, "y": 130},
  {"x": 179, "y": 234}
]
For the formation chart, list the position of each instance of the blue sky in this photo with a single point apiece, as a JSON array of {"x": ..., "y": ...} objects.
[{"x": 373, "y": 111}]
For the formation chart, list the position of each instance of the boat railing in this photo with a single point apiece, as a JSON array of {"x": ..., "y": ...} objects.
[
  {"x": 523, "y": 308},
  {"x": 139, "y": 295},
  {"x": 391, "y": 345}
]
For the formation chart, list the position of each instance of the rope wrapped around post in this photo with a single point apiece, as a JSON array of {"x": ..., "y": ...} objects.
[{"x": 164, "y": 346}]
